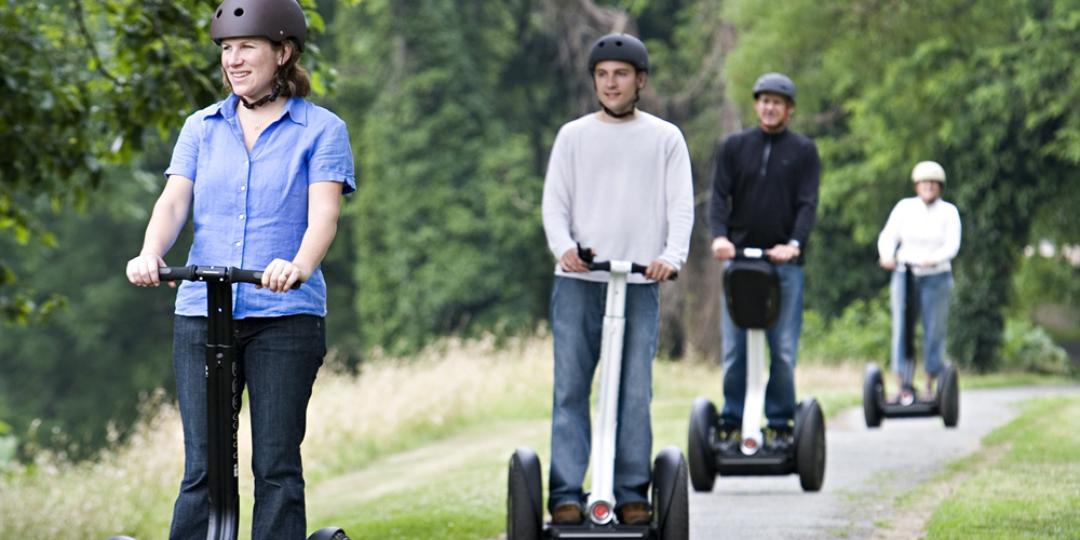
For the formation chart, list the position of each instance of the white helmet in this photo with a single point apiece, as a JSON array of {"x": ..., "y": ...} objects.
[{"x": 928, "y": 171}]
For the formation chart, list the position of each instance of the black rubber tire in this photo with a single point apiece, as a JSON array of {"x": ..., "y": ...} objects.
[
  {"x": 810, "y": 446},
  {"x": 873, "y": 395},
  {"x": 671, "y": 499},
  {"x": 949, "y": 396},
  {"x": 329, "y": 533},
  {"x": 524, "y": 509},
  {"x": 701, "y": 453}
]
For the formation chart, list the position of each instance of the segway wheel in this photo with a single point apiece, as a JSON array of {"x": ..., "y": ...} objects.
[
  {"x": 329, "y": 533},
  {"x": 810, "y": 446},
  {"x": 702, "y": 456},
  {"x": 949, "y": 396},
  {"x": 524, "y": 506},
  {"x": 671, "y": 500},
  {"x": 873, "y": 395}
]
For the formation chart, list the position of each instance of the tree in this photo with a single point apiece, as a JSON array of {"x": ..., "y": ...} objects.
[{"x": 988, "y": 99}]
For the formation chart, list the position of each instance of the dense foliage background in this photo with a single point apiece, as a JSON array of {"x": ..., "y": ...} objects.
[{"x": 452, "y": 108}]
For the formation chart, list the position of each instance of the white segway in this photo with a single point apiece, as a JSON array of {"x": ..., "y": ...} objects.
[
  {"x": 670, "y": 500},
  {"x": 753, "y": 298},
  {"x": 946, "y": 399}
]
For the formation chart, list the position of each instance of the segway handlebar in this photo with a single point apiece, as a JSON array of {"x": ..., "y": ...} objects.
[
  {"x": 213, "y": 273},
  {"x": 749, "y": 253},
  {"x": 754, "y": 254},
  {"x": 586, "y": 255}
]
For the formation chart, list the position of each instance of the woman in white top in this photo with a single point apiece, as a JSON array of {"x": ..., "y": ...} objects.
[{"x": 923, "y": 234}]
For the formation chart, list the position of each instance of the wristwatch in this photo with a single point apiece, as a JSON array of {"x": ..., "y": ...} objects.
[{"x": 795, "y": 243}]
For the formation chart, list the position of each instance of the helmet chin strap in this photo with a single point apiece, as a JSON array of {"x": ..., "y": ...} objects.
[
  {"x": 268, "y": 98},
  {"x": 614, "y": 114},
  {"x": 629, "y": 111}
]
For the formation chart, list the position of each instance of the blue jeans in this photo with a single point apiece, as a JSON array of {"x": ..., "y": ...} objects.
[
  {"x": 279, "y": 358},
  {"x": 577, "y": 319},
  {"x": 933, "y": 291},
  {"x": 783, "y": 339}
]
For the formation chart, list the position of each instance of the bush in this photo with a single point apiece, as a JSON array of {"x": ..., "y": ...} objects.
[
  {"x": 860, "y": 334},
  {"x": 1029, "y": 348}
]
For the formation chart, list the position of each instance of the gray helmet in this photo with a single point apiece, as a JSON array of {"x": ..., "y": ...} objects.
[
  {"x": 621, "y": 47},
  {"x": 775, "y": 83},
  {"x": 276, "y": 20}
]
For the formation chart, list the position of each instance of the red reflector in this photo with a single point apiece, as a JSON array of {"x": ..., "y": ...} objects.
[
  {"x": 750, "y": 443},
  {"x": 601, "y": 511}
]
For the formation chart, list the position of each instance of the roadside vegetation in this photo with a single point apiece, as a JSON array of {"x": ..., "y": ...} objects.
[{"x": 411, "y": 448}]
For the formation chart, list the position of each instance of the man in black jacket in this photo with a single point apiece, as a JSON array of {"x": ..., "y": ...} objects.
[{"x": 765, "y": 194}]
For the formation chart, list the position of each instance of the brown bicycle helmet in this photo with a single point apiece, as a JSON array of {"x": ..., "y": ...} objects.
[{"x": 276, "y": 20}]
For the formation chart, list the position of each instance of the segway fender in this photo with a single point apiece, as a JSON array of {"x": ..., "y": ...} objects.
[
  {"x": 665, "y": 469},
  {"x": 329, "y": 533},
  {"x": 670, "y": 494}
]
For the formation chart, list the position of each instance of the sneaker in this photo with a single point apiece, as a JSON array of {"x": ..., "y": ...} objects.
[
  {"x": 567, "y": 514},
  {"x": 634, "y": 513},
  {"x": 728, "y": 439},
  {"x": 779, "y": 440}
]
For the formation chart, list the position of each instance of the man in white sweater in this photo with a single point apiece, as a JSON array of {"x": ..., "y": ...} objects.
[
  {"x": 927, "y": 231},
  {"x": 618, "y": 182}
]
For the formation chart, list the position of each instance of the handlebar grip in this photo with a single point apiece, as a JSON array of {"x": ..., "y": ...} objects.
[
  {"x": 252, "y": 276},
  {"x": 246, "y": 276},
  {"x": 176, "y": 273}
]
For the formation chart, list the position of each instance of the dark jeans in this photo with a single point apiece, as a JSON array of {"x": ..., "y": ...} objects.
[
  {"x": 279, "y": 358},
  {"x": 783, "y": 339}
]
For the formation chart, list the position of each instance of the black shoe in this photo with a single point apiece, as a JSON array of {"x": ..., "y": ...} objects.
[
  {"x": 779, "y": 440},
  {"x": 728, "y": 437}
]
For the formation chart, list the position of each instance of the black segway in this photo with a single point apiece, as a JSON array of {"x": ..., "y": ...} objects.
[
  {"x": 946, "y": 399},
  {"x": 224, "y": 386},
  {"x": 670, "y": 500},
  {"x": 752, "y": 287}
]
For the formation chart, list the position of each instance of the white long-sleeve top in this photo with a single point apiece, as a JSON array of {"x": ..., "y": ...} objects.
[
  {"x": 926, "y": 233},
  {"x": 623, "y": 189}
]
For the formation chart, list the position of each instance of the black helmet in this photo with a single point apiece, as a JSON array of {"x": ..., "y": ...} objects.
[
  {"x": 276, "y": 20},
  {"x": 776, "y": 83},
  {"x": 622, "y": 47}
]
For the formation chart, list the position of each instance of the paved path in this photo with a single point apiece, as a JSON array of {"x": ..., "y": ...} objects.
[{"x": 862, "y": 465}]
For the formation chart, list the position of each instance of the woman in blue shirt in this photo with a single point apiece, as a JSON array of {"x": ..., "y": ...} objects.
[{"x": 262, "y": 173}]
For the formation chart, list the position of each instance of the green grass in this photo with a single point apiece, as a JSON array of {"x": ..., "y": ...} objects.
[
  {"x": 407, "y": 449},
  {"x": 1003, "y": 380},
  {"x": 1032, "y": 491}
]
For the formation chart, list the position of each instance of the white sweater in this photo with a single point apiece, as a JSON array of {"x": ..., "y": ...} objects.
[
  {"x": 925, "y": 234},
  {"x": 623, "y": 189}
]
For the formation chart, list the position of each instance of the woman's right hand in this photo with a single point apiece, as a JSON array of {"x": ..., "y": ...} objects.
[
  {"x": 888, "y": 265},
  {"x": 143, "y": 270}
]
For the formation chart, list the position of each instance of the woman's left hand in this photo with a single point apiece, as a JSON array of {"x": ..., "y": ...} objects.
[{"x": 280, "y": 275}]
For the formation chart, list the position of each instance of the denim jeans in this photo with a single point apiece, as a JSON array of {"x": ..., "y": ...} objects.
[
  {"x": 933, "y": 291},
  {"x": 279, "y": 358},
  {"x": 577, "y": 319},
  {"x": 783, "y": 339}
]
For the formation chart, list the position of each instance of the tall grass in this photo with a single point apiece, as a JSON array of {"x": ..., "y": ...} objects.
[{"x": 389, "y": 406}]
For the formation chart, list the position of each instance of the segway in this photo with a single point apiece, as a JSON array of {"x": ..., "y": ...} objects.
[
  {"x": 946, "y": 398},
  {"x": 752, "y": 287},
  {"x": 224, "y": 386},
  {"x": 670, "y": 500}
]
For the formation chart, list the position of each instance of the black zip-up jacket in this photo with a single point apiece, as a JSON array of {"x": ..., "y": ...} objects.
[{"x": 765, "y": 189}]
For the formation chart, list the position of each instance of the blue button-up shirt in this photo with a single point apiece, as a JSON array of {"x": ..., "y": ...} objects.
[{"x": 252, "y": 207}]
